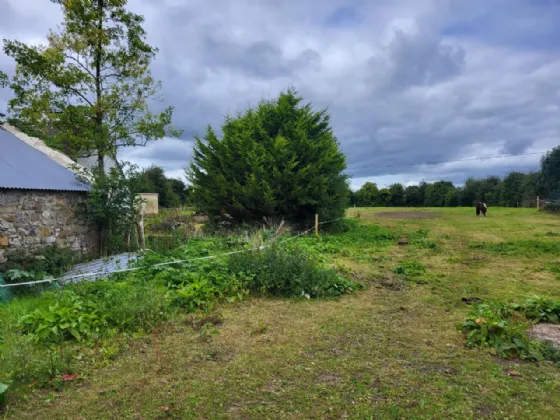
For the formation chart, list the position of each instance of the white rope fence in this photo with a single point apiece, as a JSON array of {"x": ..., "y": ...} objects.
[{"x": 126, "y": 270}]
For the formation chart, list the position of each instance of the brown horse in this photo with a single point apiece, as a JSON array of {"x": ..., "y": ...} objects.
[{"x": 481, "y": 208}]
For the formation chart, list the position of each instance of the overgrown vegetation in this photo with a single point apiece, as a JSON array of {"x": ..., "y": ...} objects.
[
  {"x": 284, "y": 272},
  {"x": 53, "y": 328},
  {"x": 503, "y": 327}
]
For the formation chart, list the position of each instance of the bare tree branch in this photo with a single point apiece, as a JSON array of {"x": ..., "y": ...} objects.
[{"x": 77, "y": 60}]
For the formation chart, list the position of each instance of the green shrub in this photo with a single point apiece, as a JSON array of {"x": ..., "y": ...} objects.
[
  {"x": 282, "y": 272},
  {"x": 278, "y": 160}
]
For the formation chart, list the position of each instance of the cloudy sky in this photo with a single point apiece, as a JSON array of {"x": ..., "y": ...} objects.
[{"x": 407, "y": 82}]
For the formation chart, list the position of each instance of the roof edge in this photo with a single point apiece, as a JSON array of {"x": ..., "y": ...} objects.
[
  {"x": 51, "y": 153},
  {"x": 85, "y": 190}
]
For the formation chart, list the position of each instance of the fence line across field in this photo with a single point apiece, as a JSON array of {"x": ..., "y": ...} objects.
[{"x": 125, "y": 270}]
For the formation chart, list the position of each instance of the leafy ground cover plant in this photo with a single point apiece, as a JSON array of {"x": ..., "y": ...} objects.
[
  {"x": 410, "y": 269},
  {"x": 420, "y": 239},
  {"x": 503, "y": 327}
]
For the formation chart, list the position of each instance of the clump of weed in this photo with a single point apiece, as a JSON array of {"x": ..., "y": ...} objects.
[
  {"x": 410, "y": 269},
  {"x": 503, "y": 327},
  {"x": 281, "y": 272},
  {"x": 420, "y": 239},
  {"x": 391, "y": 283},
  {"x": 259, "y": 329},
  {"x": 207, "y": 331},
  {"x": 198, "y": 321},
  {"x": 554, "y": 267}
]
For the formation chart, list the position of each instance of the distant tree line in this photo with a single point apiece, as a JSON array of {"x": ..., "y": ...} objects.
[
  {"x": 511, "y": 191},
  {"x": 172, "y": 192}
]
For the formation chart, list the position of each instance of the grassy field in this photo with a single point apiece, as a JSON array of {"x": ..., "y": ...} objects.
[{"x": 389, "y": 351}]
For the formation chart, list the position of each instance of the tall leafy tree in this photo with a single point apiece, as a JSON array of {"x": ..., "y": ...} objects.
[
  {"x": 487, "y": 190},
  {"x": 452, "y": 197},
  {"x": 491, "y": 190},
  {"x": 87, "y": 90},
  {"x": 397, "y": 194},
  {"x": 413, "y": 196},
  {"x": 532, "y": 186},
  {"x": 384, "y": 197},
  {"x": 423, "y": 186},
  {"x": 155, "y": 181},
  {"x": 512, "y": 189},
  {"x": 471, "y": 192},
  {"x": 366, "y": 196},
  {"x": 436, "y": 193},
  {"x": 550, "y": 171},
  {"x": 3, "y": 83},
  {"x": 280, "y": 159},
  {"x": 180, "y": 189}
]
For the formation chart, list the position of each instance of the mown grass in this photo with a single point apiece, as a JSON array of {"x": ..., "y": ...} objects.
[{"x": 390, "y": 351}]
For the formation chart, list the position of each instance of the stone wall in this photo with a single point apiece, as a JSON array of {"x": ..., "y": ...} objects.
[{"x": 31, "y": 220}]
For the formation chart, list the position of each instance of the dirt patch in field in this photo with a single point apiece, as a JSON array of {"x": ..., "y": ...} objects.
[
  {"x": 407, "y": 215},
  {"x": 546, "y": 332}
]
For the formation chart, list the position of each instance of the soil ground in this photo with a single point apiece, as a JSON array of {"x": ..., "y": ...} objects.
[{"x": 407, "y": 215}]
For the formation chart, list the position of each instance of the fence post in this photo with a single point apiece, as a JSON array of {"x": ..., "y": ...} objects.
[
  {"x": 538, "y": 203},
  {"x": 317, "y": 225}
]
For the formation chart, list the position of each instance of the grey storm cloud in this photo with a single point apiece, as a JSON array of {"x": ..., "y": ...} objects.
[{"x": 407, "y": 82}]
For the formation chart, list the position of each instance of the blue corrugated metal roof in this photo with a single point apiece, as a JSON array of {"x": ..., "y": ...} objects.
[
  {"x": 99, "y": 269},
  {"x": 24, "y": 167}
]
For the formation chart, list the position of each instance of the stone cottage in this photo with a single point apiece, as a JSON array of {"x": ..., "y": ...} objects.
[{"x": 42, "y": 202}]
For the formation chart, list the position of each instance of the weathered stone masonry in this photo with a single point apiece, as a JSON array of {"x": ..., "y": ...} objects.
[{"x": 31, "y": 220}]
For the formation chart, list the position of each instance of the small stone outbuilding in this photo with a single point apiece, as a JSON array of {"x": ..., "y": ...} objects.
[{"x": 42, "y": 201}]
